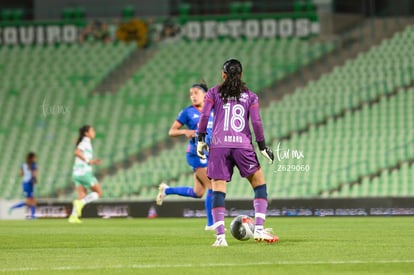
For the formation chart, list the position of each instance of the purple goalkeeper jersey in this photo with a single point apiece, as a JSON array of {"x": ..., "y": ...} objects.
[{"x": 231, "y": 120}]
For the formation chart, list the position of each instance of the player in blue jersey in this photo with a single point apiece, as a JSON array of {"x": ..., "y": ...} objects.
[
  {"x": 234, "y": 104},
  {"x": 28, "y": 171},
  {"x": 82, "y": 174},
  {"x": 189, "y": 117}
]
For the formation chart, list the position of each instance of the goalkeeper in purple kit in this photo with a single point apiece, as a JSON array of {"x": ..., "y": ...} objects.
[{"x": 231, "y": 145}]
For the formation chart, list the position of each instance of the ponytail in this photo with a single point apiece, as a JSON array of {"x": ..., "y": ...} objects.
[
  {"x": 82, "y": 131},
  {"x": 232, "y": 86}
]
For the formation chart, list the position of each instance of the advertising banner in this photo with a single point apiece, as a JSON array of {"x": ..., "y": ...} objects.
[
  {"x": 26, "y": 35},
  {"x": 250, "y": 28},
  {"x": 195, "y": 209},
  {"x": 143, "y": 32}
]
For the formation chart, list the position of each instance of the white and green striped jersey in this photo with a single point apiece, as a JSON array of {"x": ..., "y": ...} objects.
[{"x": 81, "y": 167}]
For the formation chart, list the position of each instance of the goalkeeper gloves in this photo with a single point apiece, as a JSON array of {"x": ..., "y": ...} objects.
[
  {"x": 266, "y": 151},
  {"x": 201, "y": 146}
]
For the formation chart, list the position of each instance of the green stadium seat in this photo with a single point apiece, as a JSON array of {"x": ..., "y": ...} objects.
[
  {"x": 235, "y": 7},
  {"x": 67, "y": 13},
  {"x": 6, "y": 15},
  {"x": 128, "y": 12},
  {"x": 79, "y": 13},
  {"x": 246, "y": 7},
  {"x": 184, "y": 10},
  {"x": 17, "y": 15}
]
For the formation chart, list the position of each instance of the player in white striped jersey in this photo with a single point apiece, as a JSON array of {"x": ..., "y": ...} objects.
[{"x": 82, "y": 173}]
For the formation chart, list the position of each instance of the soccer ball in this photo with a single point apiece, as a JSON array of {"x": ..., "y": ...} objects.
[{"x": 242, "y": 227}]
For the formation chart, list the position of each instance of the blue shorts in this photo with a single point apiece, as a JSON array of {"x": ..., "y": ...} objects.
[
  {"x": 222, "y": 161},
  {"x": 195, "y": 161},
  {"x": 28, "y": 189}
]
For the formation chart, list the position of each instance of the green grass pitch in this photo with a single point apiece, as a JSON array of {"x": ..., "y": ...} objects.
[{"x": 375, "y": 245}]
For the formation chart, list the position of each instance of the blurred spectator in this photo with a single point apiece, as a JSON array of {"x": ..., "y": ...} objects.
[
  {"x": 170, "y": 29},
  {"x": 95, "y": 31}
]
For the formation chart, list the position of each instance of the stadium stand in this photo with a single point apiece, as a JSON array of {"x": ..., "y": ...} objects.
[
  {"x": 37, "y": 100},
  {"x": 363, "y": 79},
  {"x": 352, "y": 124},
  {"x": 359, "y": 144},
  {"x": 358, "y": 121},
  {"x": 121, "y": 119},
  {"x": 178, "y": 74}
]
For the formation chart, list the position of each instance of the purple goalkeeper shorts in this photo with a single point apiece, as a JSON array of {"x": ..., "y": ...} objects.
[{"x": 221, "y": 162}]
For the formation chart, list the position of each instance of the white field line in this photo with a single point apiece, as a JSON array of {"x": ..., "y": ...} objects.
[{"x": 150, "y": 266}]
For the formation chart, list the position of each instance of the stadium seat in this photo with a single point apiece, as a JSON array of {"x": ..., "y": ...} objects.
[
  {"x": 17, "y": 15},
  {"x": 79, "y": 13},
  {"x": 184, "y": 10},
  {"x": 235, "y": 7},
  {"x": 128, "y": 12},
  {"x": 6, "y": 15},
  {"x": 67, "y": 13}
]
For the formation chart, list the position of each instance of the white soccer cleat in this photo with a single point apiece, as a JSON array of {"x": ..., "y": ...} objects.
[
  {"x": 220, "y": 241},
  {"x": 161, "y": 193},
  {"x": 265, "y": 235}
]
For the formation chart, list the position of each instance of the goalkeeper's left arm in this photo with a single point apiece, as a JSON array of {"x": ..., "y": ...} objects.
[{"x": 259, "y": 133}]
